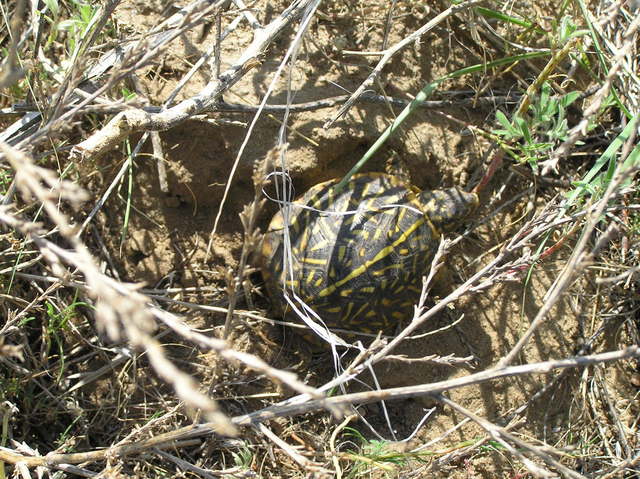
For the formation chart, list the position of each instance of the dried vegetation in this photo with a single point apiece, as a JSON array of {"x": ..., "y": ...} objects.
[{"x": 142, "y": 146}]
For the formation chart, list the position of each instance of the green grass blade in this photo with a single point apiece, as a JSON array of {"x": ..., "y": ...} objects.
[
  {"x": 487, "y": 12},
  {"x": 426, "y": 93},
  {"x": 607, "y": 158},
  {"x": 601, "y": 57},
  {"x": 127, "y": 212}
]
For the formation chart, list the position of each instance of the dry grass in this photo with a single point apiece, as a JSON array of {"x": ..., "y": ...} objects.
[{"x": 104, "y": 375}]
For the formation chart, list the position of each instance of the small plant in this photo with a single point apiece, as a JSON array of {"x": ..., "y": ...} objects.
[
  {"x": 76, "y": 25},
  {"x": 5, "y": 180},
  {"x": 567, "y": 30},
  {"x": 127, "y": 94},
  {"x": 374, "y": 454},
  {"x": 10, "y": 387},
  {"x": 634, "y": 225},
  {"x": 27, "y": 320},
  {"x": 597, "y": 179},
  {"x": 57, "y": 324},
  {"x": 542, "y": 130},
  {"x": 243, "y": 458}
]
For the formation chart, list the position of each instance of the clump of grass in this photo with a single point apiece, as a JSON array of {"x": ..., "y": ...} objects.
[
  {"x": 533, "y": 136},
  {"x": 372, "y": 456}
]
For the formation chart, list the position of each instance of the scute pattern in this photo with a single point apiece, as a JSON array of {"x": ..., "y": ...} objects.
[{"x": 358, "y": 253}]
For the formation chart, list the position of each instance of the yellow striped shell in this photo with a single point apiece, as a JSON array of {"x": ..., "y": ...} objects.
[{"x": 358, "y": 253}]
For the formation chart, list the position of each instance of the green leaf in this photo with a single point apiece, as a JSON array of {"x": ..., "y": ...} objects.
[
  {"x": 68, "y": 25},
  {"x": 607, "y": 158},
  {"x": 569, "y": 98},
  {"x": 524, "y": 129},
  {"x": 53, "y": 6},
  {"x": 486, "y": 12},
  {"x": 504, "y": 121}
]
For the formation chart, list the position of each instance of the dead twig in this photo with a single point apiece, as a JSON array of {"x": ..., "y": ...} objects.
[
  {"x": 128, "y": 122},
  {"x": 120, "y": 309},
  {"x": 578, "y": 262},
  {"x": 516, "y": 446},
  {"x": 284, "y": 410},
  {"x": 10, "y": 71},
  {"x": 580, "y": 129},
  {"x": 439, "y": 387},
  {"x": 390, "y": 52},
  {"x": 248, "y": 217}
]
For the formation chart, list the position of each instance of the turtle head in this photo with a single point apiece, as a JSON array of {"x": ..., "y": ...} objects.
[{"x": 448, "y": 208}]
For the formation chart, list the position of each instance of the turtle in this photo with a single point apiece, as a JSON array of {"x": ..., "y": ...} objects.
[{"x": 359, "y": 250}]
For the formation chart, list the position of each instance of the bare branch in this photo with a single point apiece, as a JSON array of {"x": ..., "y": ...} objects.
[
  {"x": 390, "y": 52},
  {"x": 128, "y": 122}
]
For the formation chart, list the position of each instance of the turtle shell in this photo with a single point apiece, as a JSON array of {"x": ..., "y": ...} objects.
[{"x": 358, "y": 253}]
